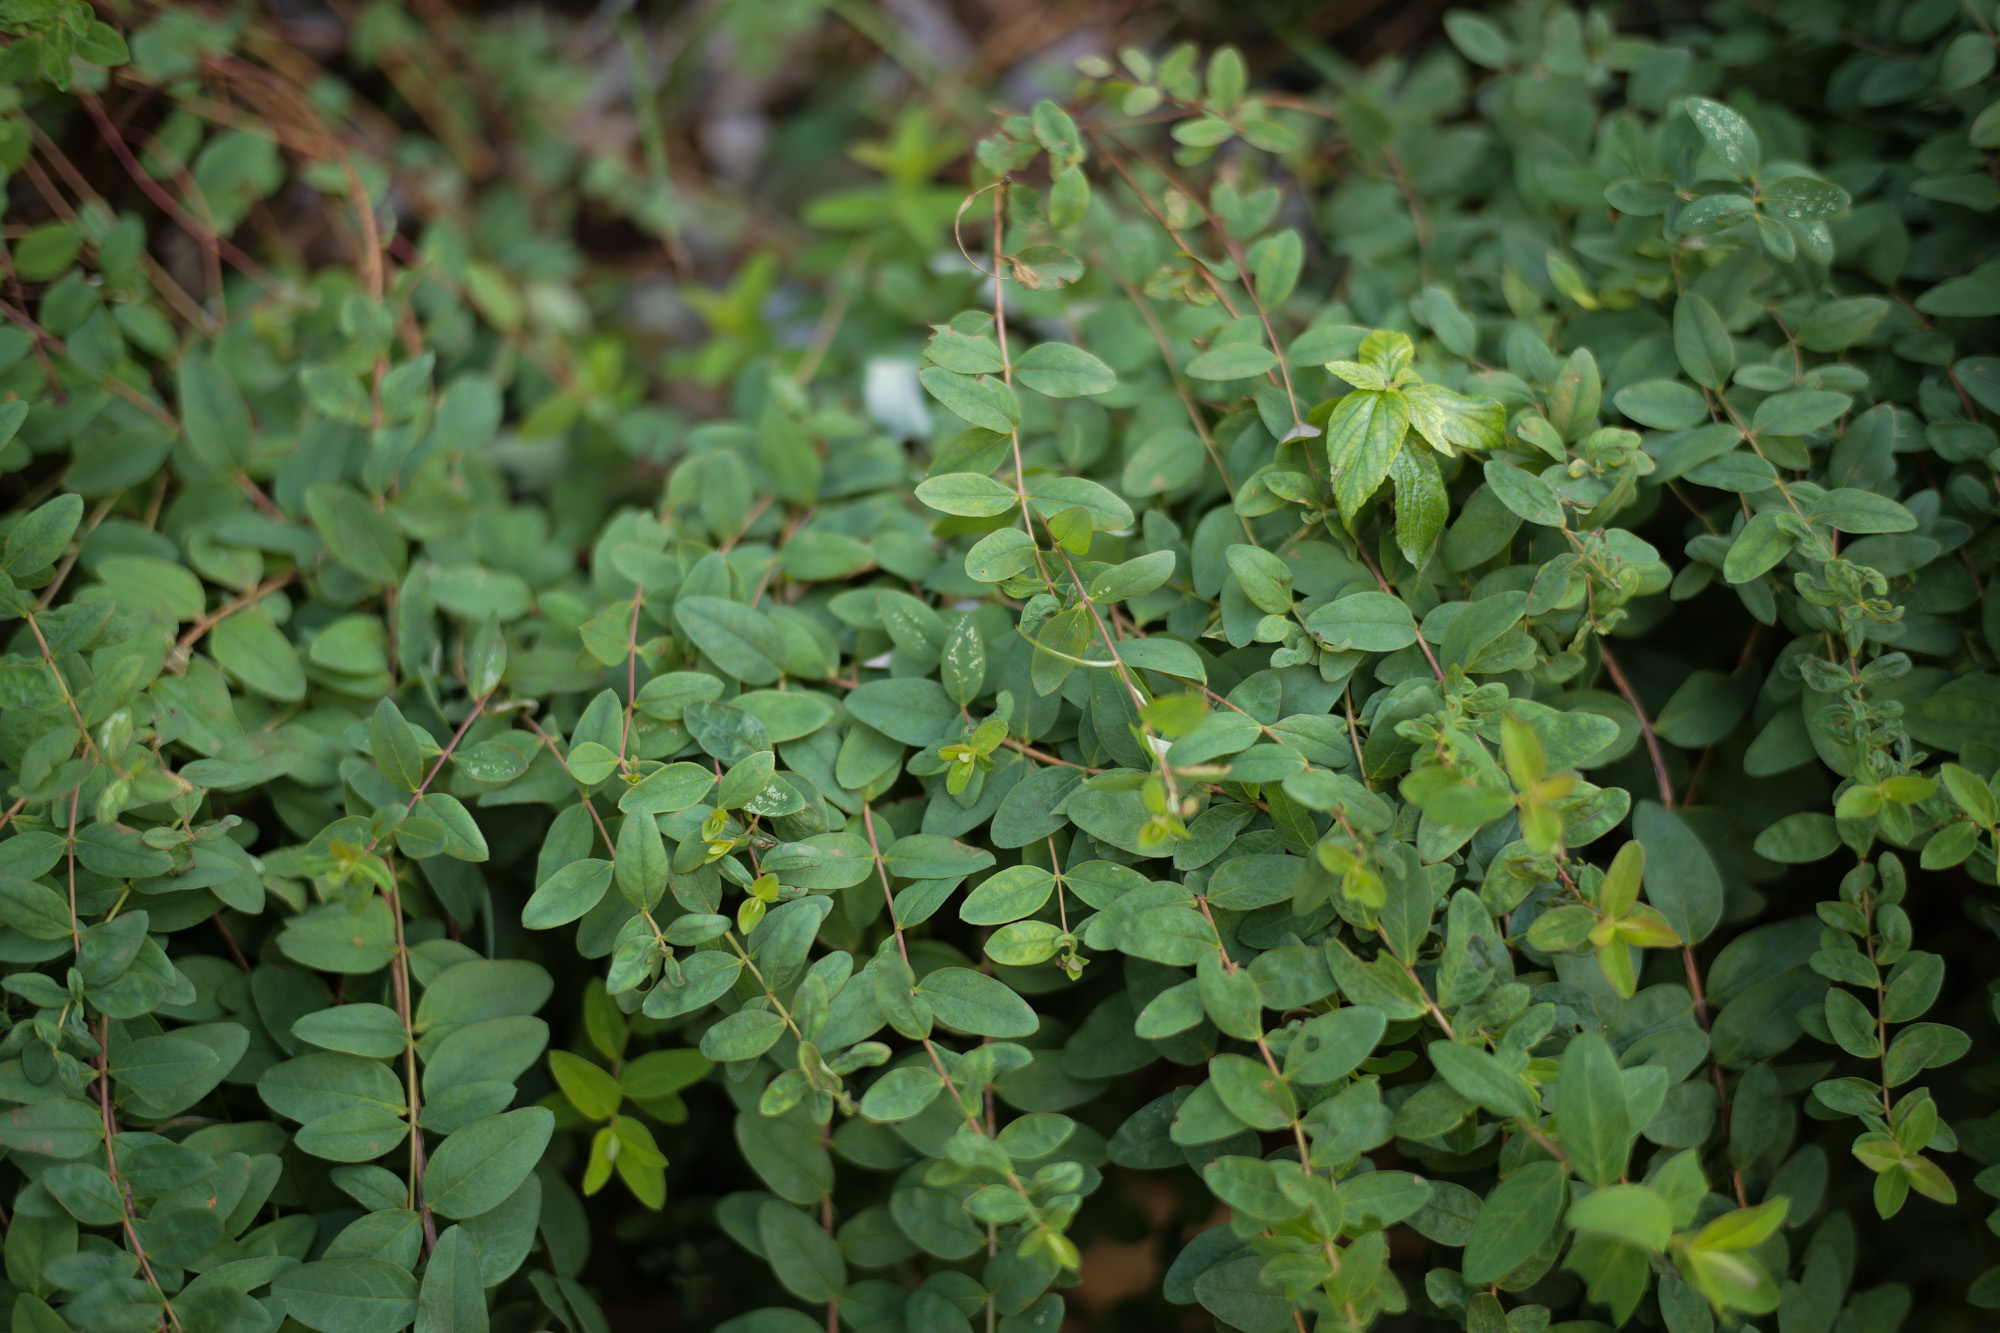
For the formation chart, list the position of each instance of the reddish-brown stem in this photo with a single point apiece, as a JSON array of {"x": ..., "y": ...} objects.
[
  {"x": 229, "y": 938},
  {"x": 1715, "y": 1070},
  {"x": 257, "y": 594},
  {"x": 631, "y": 673},
  {"x": 868, "y": 822},
  {"x": 1631, "y": 697},
  {"x": 1045, "y": 757},
  {"x": 1383, "y": 584},
  {"x": 563, "y": 763},
  {"x": 187, "y": 222},
  {"x": 69, "y": 559},
  {"x": 75, "y": 929},
  {"x": 111, "y": 1167}
]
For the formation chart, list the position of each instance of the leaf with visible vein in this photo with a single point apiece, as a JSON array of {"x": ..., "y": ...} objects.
[{"x": 1362, "y": 437}]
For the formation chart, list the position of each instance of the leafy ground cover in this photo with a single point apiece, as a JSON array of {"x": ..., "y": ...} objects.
[{"x": 1371, "y": 681}]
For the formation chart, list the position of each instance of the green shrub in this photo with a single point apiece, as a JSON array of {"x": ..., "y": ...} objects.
[{"x": 1317, "y": 692}]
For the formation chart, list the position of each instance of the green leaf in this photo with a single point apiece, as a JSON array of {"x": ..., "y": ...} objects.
[
  {"x": 1593, "y": 1118},
  {"x": 980, "y": 1005},
  {"x": 1728, "y": 134},
  {"x": 659, "y": 1074},
  {"x": 453, "y": 1296},
  {"x": 589, "y": 1087},
  {"x": 1634, "y": 1214},
  {"x": 912, "y": 710},
  {"x": 1798, "y": 412},
  {"x": 567, "y": 894},
  {"x": 1370, "y": 621},
  {"x": 787, "y": 1157},
  {"x": 1804, "y": 198},
  {"x": 1134, "y": 578},
  {"x": 59, "y": 1127},
  {"x": 1265, "y": 579},
  {"x": 1479, "y": 1077},
  {"x": 1333, "y": 1045},
  {"x": 213, "y": 414},
  {"x": 1230, "y": 998},
  {"x": 743, "y": 1035},
  {"x": 1275, "y": 262},
  {"x": 1233, "y": 361},
  {"x": 1009, "y": 895},
  {"x": 805, "y": 1258},
  {"x": 479, "y": 1166},
  {"x": 348, "y": 1295},
  {"x": 1235, "y": 1293},
  {"x": 86, "y": 1193},
  {"x": 353, "y": 1134},
  {"x": 1525, "y": 494},
  {"x": 1422, "y": 506},
  {"x": 1055, "y": 130},
  {"x": 47, "y": 252},
  {"x": 981, "y": 401},
  {"x": 1806, "y": 836},
  {"x": 998, "y": 555},
  {"x": 738, "y": 638},
  {"x": 360, "y": 536},
  {"x": 667, "y": 790},
  {"x": 1640, "y": 198},
  {"x": 1050, "y": 495},
  {"x": 1362, "y": 437},
  {"x": 1519, "y": 1216},
  {"x": 1479, "y": 39},
  {"x": 1852, "y": 510},
  {"x": 37, "y": 912},
  {"x": 967, "y": 493},
  {"x": 1702, "y": 343},
  {"x": 1063, "y": 371},
  {"x": 393, "y": 742},
  {"x": 334, "y": 939},
  {"x": 1852, "y": 1025},
  {"x": 1681, "y": 877},
  {"x": 1974, "y": 295},
  {"x": 37, "y": 538},
  {"x": 1252, "y": 1093},
  {"x": 1450, "y": 323},
  {"x": 477, "y": 991},
  {"x": 1759, "y": 547},
  {"x": 251, "y": 648},
  {"x": 1840, "y": 324},
  {"x": 901, "y": 1094},
  {"x": 1069, "y": 198},
  {"x": 1662, "y": 404},
  {"x": 371, "y": 1030}
]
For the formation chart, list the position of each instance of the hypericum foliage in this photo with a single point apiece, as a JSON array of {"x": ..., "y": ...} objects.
[{"x": 904, "y": 776}]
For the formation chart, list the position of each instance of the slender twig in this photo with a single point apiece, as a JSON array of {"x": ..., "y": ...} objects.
[
  {"x": 1688, "y": 963},
  {"x": 229, "y": 938},
  {"x": 111, "y": 1168},
  {"x": 75, "y": 927},
  {"x": 207, "y": 236},
  {"x": 62, "y": 687},
  {"x": 1624, "y": 686},
  {"x": 1045, "y": 757},
  {"x": 1383, "y": 584},
  {"x": 221, "y": 613},
  {"x": 70, "y": 556},
  {"x": 1142, "y": 305},
  {"x": 937, "y": 1062}
]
